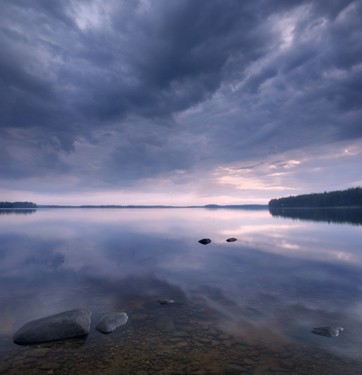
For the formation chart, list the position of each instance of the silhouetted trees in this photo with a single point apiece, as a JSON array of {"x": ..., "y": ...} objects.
[
  {"x": 17, "y": 205},
  {"x": 339, "y": 198}
]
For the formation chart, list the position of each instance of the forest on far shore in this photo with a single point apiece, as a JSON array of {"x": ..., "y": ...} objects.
[
  {"x": 17, "y": 205},
  {"x": 341, "y": 198}
]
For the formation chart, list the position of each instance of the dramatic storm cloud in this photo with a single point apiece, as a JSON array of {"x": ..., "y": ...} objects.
[{"x": 179, "y": 101}]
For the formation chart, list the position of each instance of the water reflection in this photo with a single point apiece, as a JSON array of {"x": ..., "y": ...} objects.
[
  {"x": 330, "y": 215},
  {"x": 275, "y": 284},
  {"x": 17, "y": 211}
]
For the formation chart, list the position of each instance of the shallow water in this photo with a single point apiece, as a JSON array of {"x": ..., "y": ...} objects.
[{"x": 242, "y": 307}]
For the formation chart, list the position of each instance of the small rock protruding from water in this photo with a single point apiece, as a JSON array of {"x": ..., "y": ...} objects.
[
  {"x": 65, "y": 325},
  {"x": 205, "y": 241},
  {"x": 232, "y": 239},
  {"x": 109, "y": 322},
  {"x": 163, "y": 301},
  {"x": 328, "y": 331}
]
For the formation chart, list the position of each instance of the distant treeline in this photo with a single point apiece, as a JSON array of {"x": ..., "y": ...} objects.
[
  {"x": 208, "y": 206},
  {"x": 342, "y": 198},
  {"x": 238, "y": 206},
  {"x": 17, "y": 205}
]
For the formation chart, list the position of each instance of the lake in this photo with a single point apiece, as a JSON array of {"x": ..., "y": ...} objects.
[{"x": 246, "y": 307}]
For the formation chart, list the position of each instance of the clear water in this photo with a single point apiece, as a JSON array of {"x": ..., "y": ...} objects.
[{"x": 245, "y": 307}]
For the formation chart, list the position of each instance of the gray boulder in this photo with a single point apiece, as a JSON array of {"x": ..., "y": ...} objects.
[
  {"x": 65, "y": 325},
  {"x": 232, "y": 239},
  {"x": 205, "y": 241},
  {"x": 111, "y": 321}
]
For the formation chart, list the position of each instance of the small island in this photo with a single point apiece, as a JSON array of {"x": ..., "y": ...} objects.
[{"x": 348, "y": 198}]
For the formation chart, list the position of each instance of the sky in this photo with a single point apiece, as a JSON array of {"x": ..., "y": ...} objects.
[{"x": 179, "y": 101}]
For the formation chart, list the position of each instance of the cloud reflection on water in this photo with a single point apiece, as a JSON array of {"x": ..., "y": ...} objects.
[{"x": 280, "y": 275}]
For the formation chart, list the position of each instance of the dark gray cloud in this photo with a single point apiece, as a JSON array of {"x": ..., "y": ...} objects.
[{"x": 176, "y": 85}]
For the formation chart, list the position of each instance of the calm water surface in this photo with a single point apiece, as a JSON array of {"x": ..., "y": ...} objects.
[{"x": 241, "y": 308}]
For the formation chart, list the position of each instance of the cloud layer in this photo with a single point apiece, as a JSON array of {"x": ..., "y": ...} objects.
[{"x": 202, "y": 97}]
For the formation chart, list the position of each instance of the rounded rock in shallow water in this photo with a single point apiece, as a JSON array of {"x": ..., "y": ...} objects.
[
  {"x": 111, "y": 321},
  {"x": 328, "y": 331},
  {"x": 65, "y": 325},
  {"x": 205, "y": 241},
  {"x": 232, "y": 239},
  {"x": 165, "y": 301}
]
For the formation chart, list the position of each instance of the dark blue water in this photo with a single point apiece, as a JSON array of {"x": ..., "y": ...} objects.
[{"x": 243, "y": 307}]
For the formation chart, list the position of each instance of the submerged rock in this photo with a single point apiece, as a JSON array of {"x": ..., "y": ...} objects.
[
  {"x": 111, "y": 321},
  {"x": 65, "y": 325},
  {"x": 165, "y": 301},
  {"x": 205, "y": 241},
  {"x": 328, "y": 331},
  {"x": 232, "y": 239}
]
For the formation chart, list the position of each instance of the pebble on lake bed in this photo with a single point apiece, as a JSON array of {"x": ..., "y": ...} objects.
[
  {"x": 165, "y": 301},
  {"x": 205, "y": 241},
  {"x": 327, "y": 331}
]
